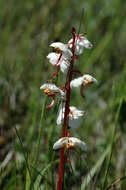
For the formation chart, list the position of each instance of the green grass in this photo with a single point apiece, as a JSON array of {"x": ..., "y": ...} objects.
[{"x": 26, "y": 30}]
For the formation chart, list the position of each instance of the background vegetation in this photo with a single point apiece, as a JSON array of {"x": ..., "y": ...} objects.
[{"x": 27, "y": 130}]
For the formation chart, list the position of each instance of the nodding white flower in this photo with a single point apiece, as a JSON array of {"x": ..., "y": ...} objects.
[
  {"x": 74, "y": 117},
  {"x": 62, "y": 48},
  {"x": 84, "y": 80},
  {"x": 53, "y": 58},
  {"x": 64, "y": 66},
  {"x": 57, "y": 59},
  {"x": 69, "y": 143},
  {"x": 81, "y": 42},
  {"x": 52, "y": 89}
]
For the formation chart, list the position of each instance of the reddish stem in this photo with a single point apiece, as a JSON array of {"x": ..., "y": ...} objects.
[
  {"x": 58, "y": 59},
  {"x": 52, "y": 103},
  {"x": 56, "y": 72},
  {"x": 68, "y": 156},
  {"x": 64, "y": 131},
  {"x": 82, "y": 91},
  {"x": 77, "y": 72}
]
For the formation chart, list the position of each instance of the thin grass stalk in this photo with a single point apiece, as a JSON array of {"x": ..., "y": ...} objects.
[
  {"x": 39, "y": 135},
  {"x": 40, "y": 130},
  {"x": 112, "y": 144},
  {"x": 24, "y": 154}
]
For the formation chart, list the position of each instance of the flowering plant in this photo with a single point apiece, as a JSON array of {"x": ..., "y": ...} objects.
[{"x": 63, "y": 58}]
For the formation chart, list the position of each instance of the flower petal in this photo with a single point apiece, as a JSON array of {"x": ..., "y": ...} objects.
[
  {"x": 87, "y": 44},
  {"x": 89, "y": 79},
  {"x": 81, "y": 42},
  {"x": 64, "y": 66},
  {"x": 85, "y": 79},
  {"x": 63, "y": 48},
  {"x": 70, "y": 142},
  {"x": 78, "y": 143},
  {"x": 60, "y": 143},
  {"x": 53, "y": 58},
  {"x": 53, "y": 88},
  {"x": 56, "y": 60},
  {"x": 76, "y": 82},
  {"x": 74, "y": 116}
]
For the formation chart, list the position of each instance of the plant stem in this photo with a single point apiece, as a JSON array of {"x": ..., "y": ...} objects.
[{"x": 67, "y": 105}]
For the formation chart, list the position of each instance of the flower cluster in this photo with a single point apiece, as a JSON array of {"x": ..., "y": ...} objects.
[{"x": 62, "y": 58}]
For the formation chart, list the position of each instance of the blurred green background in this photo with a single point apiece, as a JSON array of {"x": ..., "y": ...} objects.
[{"x": 26, "y": 30}]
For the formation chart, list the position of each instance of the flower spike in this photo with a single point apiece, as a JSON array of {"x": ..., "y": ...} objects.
[{"x": 63, "y": 58}]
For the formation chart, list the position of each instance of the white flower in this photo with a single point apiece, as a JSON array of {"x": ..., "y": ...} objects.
[
  {"x": 52, "y": 89},
  {"x": 59, "y": 60},
  {"x": 63, "y": 48},
  {"x": 85, "y": 80},
  {"x": 81, "y": 42},
  {"x": 74, "y": 116},
  {"x": 70, "y": 142},
  {"x": 64, "y": 66},
  {"x": 53, "y": 58}
]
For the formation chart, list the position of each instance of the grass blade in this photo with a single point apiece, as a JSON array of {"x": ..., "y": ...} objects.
[
  {"x": 112, "y": 144},
  {"x": 92, "y": 172},
  {"x": 40, "y": 132}
]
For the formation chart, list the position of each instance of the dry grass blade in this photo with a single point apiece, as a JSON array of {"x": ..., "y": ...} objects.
[
  {"x": 6, "y": 160},
  {"x": 117, "y": 181}
]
